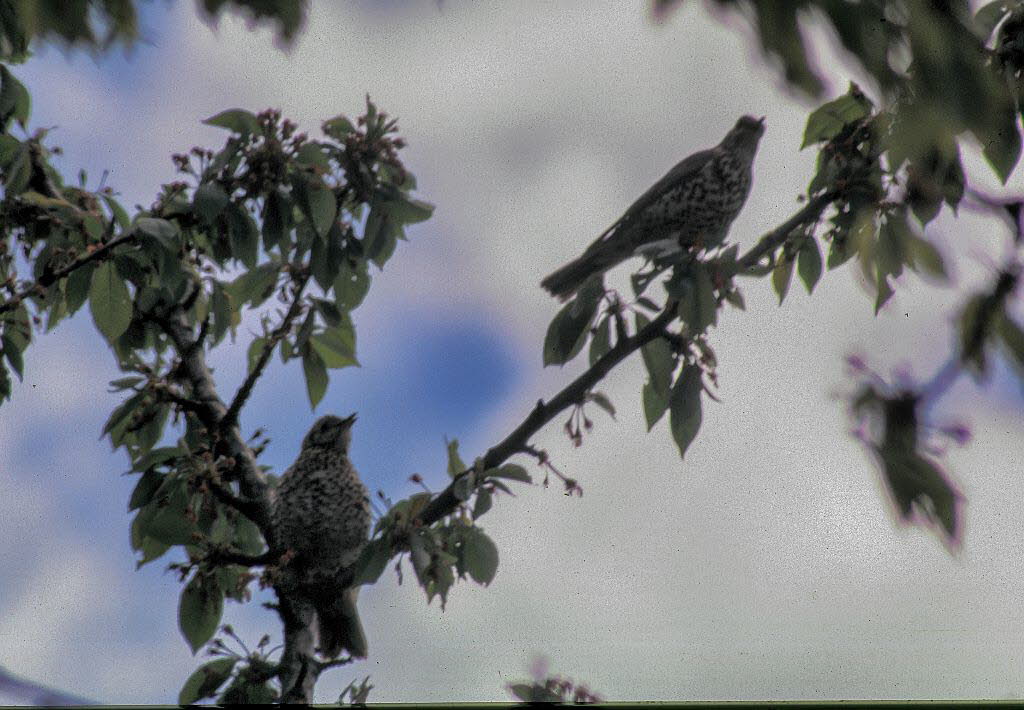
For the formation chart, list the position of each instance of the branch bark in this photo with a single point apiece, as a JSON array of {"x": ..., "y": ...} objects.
[
  {"x": 52, "y": 278},
  {"x": 446, "y": 502}
]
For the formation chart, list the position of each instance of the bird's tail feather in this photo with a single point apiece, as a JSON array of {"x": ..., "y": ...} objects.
[
  {"x": 564, "y": 282},
  {"x": 338, "y": 625}
]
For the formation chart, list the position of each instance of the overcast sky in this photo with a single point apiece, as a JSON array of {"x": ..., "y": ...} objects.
[{"x": 767, "y": 565}]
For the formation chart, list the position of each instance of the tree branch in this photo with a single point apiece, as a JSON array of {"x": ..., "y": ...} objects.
[
  {"x": 275, "y": 337},
  {"x": 211, "y": 412},
  {"x": 446, "y": 502},
  {"x": 47, "y": 279},
  {"x": 810, "y": 212}
]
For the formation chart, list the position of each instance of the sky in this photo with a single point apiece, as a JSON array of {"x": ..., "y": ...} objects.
[{"x": 766, "y": 565}]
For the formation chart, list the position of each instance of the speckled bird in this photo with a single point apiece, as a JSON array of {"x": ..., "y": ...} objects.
[
  {"x": 321, "y": 514},
  {"x": 691, "y": 207}
]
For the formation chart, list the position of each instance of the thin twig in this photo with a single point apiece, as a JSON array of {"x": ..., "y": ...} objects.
[
  {"x": 268, "y": 348},
  {"x": 48, "y": 279}
]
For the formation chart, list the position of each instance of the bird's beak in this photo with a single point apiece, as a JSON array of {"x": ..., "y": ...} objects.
[
  {"x": 350, "y": 419},
  {"x": 760, "y": 121}
]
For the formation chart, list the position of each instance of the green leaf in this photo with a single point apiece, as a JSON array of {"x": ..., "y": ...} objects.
[
  {"x": 338, "y": 127},
  {"x": 1002, "y": 145},
  {"x": 351, "y": 285},
  {"x": 808, "y": 263},
  {"x": 277, "y": 214},
  {"x": 826, "y": 121},
  {"x": 317, "y": 202},
  {"x": 1013, "y": 339},
  {"x": 254, "y": 353},
  {"x": 371, "y": 562},
  {"x": 15, "y": 101},
  {"x": 483, "y": 503},
  {"x": 170, "y": 523},
  {"x": 781, "y": 276},
  {"x": 209, "y": 201},
  {"x": 655, "y": 404},
  {"x": 109, "y": 301},
  {"x": 256, "y": 285},
  {"x": 600, "y": 343},
  {"x": 455, "y": 464},
  {"x": 407, "y": 210},
  {"x": 312, "y": 154},
  {"x": 157, "y": 457},
  {"x": 379, "y": 236},
  {"x": 602, "y": 401},
  {"x": 568, "y": 330},
  {"x": 120, "y": 415},
  {"x": 330, "y": 313},
  {"x": 243, "y": 235},
  {"x": 200, "y": 609},
  {"x": 927, "y": 258},
  {"x": 479, "y": 555},
  {"x": 117, "y": 212},
  {"x": 225, "y": 314},
  {"x": 685, "y": 407},
  {"x": 658, "y": 359},
  {"x": 336, "y": 346},
  {"x": 511, "y": 471},
  {"x": 235, "y": 120},
  {"x": 206, "y": 680},
  {"x": 316, "y": 376}
]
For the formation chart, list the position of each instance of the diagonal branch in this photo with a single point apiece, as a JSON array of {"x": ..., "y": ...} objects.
[
  {"x": 47, "y": 279},
  {"x": 810, "y": 212},
  {"x": 275, "y": 337},
  {"x": 446, "y": 502}
]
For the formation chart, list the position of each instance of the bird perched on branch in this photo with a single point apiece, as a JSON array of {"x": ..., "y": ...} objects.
[
  {"x": 691, "y": 207},
  {"x": 321, "y": 515}
]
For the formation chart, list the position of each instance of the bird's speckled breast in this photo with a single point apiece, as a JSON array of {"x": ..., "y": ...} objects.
[{"x": 702, "y": 208}]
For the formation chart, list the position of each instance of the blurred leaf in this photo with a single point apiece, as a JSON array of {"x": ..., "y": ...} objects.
[
  {"x": 600, "y": 343},
  {"x": 511, "y": 471},
  {"x": 209, "y": 201},
  {"x": 658, "y": 359},
  {"x": 479, "y": 555},
  {"x": 685, "y": 407},
  {"x": 782, "y": 274},
  {"x": 254, "y": 353},
  {"x": 243, "y": 235},
  {"x": 317, "y": 202},
  {"x": 109, "y": 301},
  {"x": 372, "y": 561},
  {"x": 655, "y": 404},
  {"x": 455, "y": 464},
  {"x": 235, "y": 120},
  {"x": 336, "y": 346},
  {"x": 277, "y": 220},
  {"x": 602, "y": 401},
  {"x": 808, "y": 263},
  {"x": 206, "y": 680},
  {"x": 568, "y": 330},
  {"x": 144, "y": 489},
  {"x": 482, "y": 504},
  {"x": 200, "y": 609},
  {"x": 351, "y": 285},
  {"x": 316, "y": 376},
  {"x": 828, "y": 120}
]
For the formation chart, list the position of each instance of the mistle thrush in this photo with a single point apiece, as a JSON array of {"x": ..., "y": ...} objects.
[
  {"x": 692, "y": 206},
  {"x": 321, "y": 515}
]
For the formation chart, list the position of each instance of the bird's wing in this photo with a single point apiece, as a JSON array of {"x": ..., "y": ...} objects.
[{"x": 684, "y": 170}]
